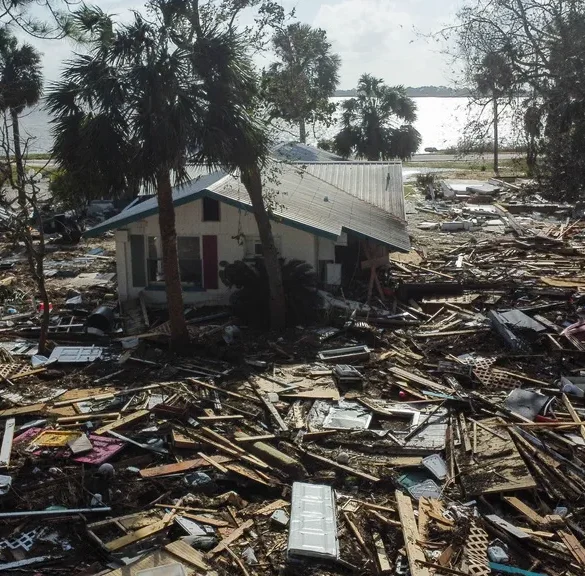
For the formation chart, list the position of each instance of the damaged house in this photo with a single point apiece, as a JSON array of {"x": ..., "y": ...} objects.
[{"x": 330, "y": 214}]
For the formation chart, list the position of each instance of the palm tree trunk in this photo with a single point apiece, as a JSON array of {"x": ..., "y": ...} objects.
[
  {"x": 18, "y": 158},
  {"x": 170, "y": 259},
  {"x": 302, "y": 131},
  {"x": 252, "y": 180},
  {"x": 496, "y": 145},
  {"x": 35, "y": 257}
]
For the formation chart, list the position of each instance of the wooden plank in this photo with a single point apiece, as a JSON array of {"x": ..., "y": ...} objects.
[
  {"x": 507, "y": 526},
  {"x": 6, "y": 449},
  {"x": 411, "y": 536},
  {"x": 167, "y": 469},
  {"x": 465, "y": 433},
  {"x": 532, "y": 516},
  {"x": 247, "y": 473},
  {"x": 270, "y": 508},
  {"x": 187, "y": 554},
  {"x": 213, "y": 463},
  {"x": 573, "y": 414},
  {"x": 226, "y": 418},
  {"x": 274, "y": 412},
  {"x": 237, "y": 533},
  {"x": 23, "y": 410},
  {"x": 87, "y": 417},
  {"x": 136, "y": 536},
  {"x": 574, "y": 546},
  {"x": 339, "y": 466},
  {"x": 122, "y": 421},
  {"x": 357, "y": 534},
  {"x": 259, "y": 438},
  {"x": 425, "y": 382}
]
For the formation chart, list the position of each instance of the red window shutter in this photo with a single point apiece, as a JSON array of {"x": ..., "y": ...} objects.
[{"x": 210, "y": 263}]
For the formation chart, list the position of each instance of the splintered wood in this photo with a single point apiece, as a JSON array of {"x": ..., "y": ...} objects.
[
  {"x": 496, "y": 466},
  {"x": 411, "y": 536}
]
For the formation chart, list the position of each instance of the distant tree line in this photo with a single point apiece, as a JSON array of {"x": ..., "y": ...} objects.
[
  {"x": 528, "y": 56},
  {"x": 419, "y": 92}
]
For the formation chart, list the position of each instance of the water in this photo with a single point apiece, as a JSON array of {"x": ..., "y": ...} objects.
[{"x": 441, "y": 122}]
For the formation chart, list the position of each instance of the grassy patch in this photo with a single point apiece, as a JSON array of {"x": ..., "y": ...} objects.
[
  {"x": 43, "y": 156},
  {"x": 475, "y": 165}
]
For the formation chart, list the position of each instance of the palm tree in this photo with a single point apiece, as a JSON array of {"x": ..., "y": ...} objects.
[
  {"x": 131, "y": 103},
  {"x": 494, "y": 80},
  {"x": 21, "y": 86},
  {"x": 377, "y": 125},
  {"x": 166, "y": 93}
]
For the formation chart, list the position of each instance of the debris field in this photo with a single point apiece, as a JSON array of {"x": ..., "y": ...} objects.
[{"x": 440, "y": 430}]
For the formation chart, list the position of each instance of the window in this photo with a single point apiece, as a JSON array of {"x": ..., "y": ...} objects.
[
  {"x": 190, "y": 260},
  {"x": 254, "y": 247},
  {"x": 189, "y": 251},
  {"x": 137, "y": 258},
  {"x": 210, "y": 210}
]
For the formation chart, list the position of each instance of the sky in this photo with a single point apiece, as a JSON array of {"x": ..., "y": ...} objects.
[{"x": 386, "y": 38}]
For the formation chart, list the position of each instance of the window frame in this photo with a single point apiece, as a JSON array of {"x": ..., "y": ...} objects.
[{"x": 160, "y": 282}]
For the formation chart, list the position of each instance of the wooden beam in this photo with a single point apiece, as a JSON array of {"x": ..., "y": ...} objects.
[
  {"x": 383, "y": 562},
  {"x": 573, "y": 414},
  {"x": 237, "y": 533},
  {"x": 6, "y": 449},
  {"x": 140, "y": 534},
  {"x": 122, "y": 421},
  {"x": 213, "y": 463},
  {"x": 416, "y": 555},
  {"x": 533, "y": 517},
  {"x": 226, "y": 418},
  {"x": 273, "y": 411},
  {"x": 339, "y": 466},
  {"x": 254, "y": 438},
  {"x": 179, "y": 467}
]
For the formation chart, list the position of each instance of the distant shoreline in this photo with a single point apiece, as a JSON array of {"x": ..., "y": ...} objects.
[{"x": 418, "y": 92}]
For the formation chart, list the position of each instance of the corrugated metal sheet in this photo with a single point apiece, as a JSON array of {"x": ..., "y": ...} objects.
[
  {"x": 313, "y": 523},
  {"x": 297, "y": 152},
  {"x": 312, "y": 203},
  {"x": 379, "y": 183},
  {"x": 301, "y": 200}
]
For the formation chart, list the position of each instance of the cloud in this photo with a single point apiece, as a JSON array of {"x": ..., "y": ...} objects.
[{"x": 383, "y": 37}]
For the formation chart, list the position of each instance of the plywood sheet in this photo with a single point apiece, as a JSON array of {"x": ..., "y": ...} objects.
[{"x": 496, "y": 466}]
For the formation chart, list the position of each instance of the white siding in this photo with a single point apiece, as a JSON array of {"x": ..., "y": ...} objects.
[{"x": 189, "y": 222}]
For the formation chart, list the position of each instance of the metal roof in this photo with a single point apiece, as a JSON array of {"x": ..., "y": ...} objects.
[
  {"x": 297, "y": 152},
  {"x": 379, "y": 183},
  {"x": 299, "y": 199}
]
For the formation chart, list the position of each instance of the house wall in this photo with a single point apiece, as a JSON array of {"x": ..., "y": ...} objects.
[{"x": 292, "y": 243}]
